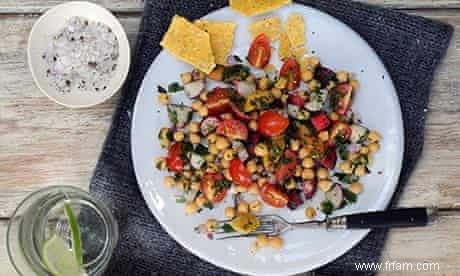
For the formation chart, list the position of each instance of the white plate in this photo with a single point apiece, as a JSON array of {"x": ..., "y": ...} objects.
[
  {"x": 376, "y": 101},
  {"x": 51, "y": 23}
]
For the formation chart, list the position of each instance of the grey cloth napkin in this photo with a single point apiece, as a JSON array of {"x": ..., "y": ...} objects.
[{"x": 411, "y": 48}]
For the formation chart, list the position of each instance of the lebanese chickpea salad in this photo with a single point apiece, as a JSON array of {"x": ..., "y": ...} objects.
[{"x": 261, "y": 125}]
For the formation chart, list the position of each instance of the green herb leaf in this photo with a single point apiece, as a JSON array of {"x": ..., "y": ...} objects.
[
  {"x": 208, "y": 205},
  {"x": 349, "y": 196},
  {"x": 201, "y": 150},
  {"x": 327, "y": 207},
  {"x": 346, "y": 178},
  {"x": 175, "y": 87},
  {"x": 363, "y": 138},
  {"x": 236, "y": 72},
  {"x": 161, "y": 89},
  {"x": 180, "y": 199},
  {"x": 228, "y": 228}
]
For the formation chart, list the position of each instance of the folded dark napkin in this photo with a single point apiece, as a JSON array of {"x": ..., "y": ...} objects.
[{"x": 411, "y": 48}]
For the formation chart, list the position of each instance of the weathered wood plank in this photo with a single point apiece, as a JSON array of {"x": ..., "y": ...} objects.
[
  {"x": 136, "y": 6},
  {"x": 7, "y": 267}
]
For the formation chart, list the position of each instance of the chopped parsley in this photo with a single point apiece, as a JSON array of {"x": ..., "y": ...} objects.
[
  {"x": 346, "y": 178},
  {"x": 187, "y": 149},
  {"x": 350, "y": 197},
  {"x": 208, "y": 205},
  {"x": 227, "y": 228},
  {"x": 221, "y": 185},
  {"x": 327, "y": 207},
  {"x": 236, "y": 72},
  {"x": 201, "y": 150},
  {"x": 175, "y": 87},
  {"x": 174, "y": 117},
  {"x": 363, "y": 138},
  {"x": 161, "y": 89},
  {"x": 342, "y": 146}
]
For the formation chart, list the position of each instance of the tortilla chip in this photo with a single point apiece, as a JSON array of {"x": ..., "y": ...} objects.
[
  {"x": 295, "y": 30},
  {"x": 189, "y": 43},
  {"x": 221, "y": 34},
  {"x": 284, "y": 49},
  {"x": 271, "y": 26},
  {"x": 253, "y": 7}
]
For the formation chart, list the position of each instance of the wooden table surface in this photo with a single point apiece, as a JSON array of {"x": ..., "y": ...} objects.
[{"x": 43, "y": 144}]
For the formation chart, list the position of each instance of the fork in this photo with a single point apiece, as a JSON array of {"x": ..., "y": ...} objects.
[{"x": 273, "y": 225}]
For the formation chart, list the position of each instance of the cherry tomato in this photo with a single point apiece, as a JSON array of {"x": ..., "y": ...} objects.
[
  {"x": 174, "y": 161},
  {"x": 339, "y": 129},
  {"x": 296, "y": 100},
  {"x": 329, "y": 159},
  {"x": 218, "y": 101},
  {"x": 273, "y": 195},
  {"x": 272, "y": 123},
  {"x": 291, "y": 71},
  {"x": 287, "y": 165},
  {"x": 343, "y": 98},
  {"x": 239, "y": 173},
  {"x": 233, "y": 129},
  {"x": 320, "y": 121},
  {"x": 209, "y": 186},
  {"x": 260, "y": 51}
]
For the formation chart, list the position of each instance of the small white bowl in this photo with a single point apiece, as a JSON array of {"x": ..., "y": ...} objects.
[{"x": 51, "y": 23}]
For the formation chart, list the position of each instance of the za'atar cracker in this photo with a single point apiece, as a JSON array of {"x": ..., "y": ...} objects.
[
  {"x": 221, "y": 34},
  {"x": 253, "y": 7}
]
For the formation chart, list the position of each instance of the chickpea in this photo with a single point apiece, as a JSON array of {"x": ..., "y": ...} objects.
[
  {"x": 260, "y": 168},
  {"x": 313, "y": 85},
  {"x": 333, "y": 116},
  {"x": 204, "y": 96},
  {"x": 210, "y": 158},
  {"x": 178, "y": 136},
  {"x": 307, "y": 76},
  {"x": 310, "y": 212},
  {"x": 308, "y": 163},
  {"x": 251, "y": 166},
  {"x": 298, "y": 171},
  {"x": 281, "y": 83},
  {"x": 341, "y": 76},
  {"x": 294, "y": 144},
  {"x": 243, "y": 207},
  {"x": 360, "y": 170},
  {"x": 308, "y": 174},
  {"x": 228, "y": 154},
  {"x": 181, "y": 184},
  {"x": 194, "y": 127},
  {"x": 354, "y": 84},
  {"x": 241, "y": 189},
  {"x": 253, "y": 125},
  {"x": 197, "y": 105},
  {"x": 229, "y": 212},
  {"x": 284, "y": 98},
  {"x": 261, "y": 150},
  {"x": 212, "y": 168},
  {"x": 373, "y": 136},
  {"x": 364, "y": 150},
  {"x": 212, "y": 138},
  {"x": 323, "y": 136},
  {"x": 227, "y": 175},
  {"x": 253, "y": 189},
  {"x": 262, "y": 240},
  {"x": 201, "y": 200},
  {"x": 163, "y": 98},
  {"x": 255, "y": 206},
  {"x": 194, "y": 138},
  {"x": 212, "y": 148},
  {"x": 203, "y": 111},
  {"x": 373, "y": 147},
  {"x": 160, "y": 163},
  {"x": 314, "y": 61},
  {"x": 225, "y": 163},
  {"x": 356, "y": 187},
  {"x": 191, "y": 208},
  {"x": 211, "y": 225},
  {"x": 330, "y": 85},
  {"x": 187, "y": 174},
  {"x": 261, "y": 181},
  {"x": 353, "y": 156},
  {"x": 324, "y": 185},
  {"x": 276, "y": 92},
  {"x": 322, "y": 173},
  {"x": 186, "y": 77},
  {"x": 169, "y": 181},
  {"x": 345, "y": 166},
  {"x": 263, "y": 83},
  {"x": 303, "y": 152},
  {"x": 222, "y": 143},
  {"x": 275, "y": 242}
]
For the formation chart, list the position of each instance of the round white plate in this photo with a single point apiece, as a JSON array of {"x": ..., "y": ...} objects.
[
  {"x": 339, "y": 48},
  {"x": 51, "y": 23}
]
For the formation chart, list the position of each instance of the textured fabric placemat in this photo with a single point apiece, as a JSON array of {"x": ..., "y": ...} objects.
[{"x": 411, "y": 48}]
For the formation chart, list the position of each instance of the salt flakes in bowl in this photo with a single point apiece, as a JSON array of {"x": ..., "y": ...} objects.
[{"x": 82, "y": 56}]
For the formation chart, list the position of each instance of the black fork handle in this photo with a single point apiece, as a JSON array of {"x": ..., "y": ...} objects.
[{"x": 404, "y": 217}]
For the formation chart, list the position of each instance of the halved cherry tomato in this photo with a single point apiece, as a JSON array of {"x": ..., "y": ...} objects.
[
  {"x": 218, "y": 101},
  {"x": 287, "y": 165},
  {"x": 339, "y": 129},
  {"x": 272, "y": 123},
  {"x": 344, "y": 95},
  {"x": 296, "y": 100},
  {"x": 174, "y": 161},
  {"x": 320, "y": 121},
  {"x": 209, "y": 187},
  {"x": 260, "y": 51},
  {"x": 273, "y": 195},
  {"x": 291, "y": 71},
  {"x": 329, "y": 159},
  {"x": 233, "y": 129},
  {"x": 239, "y": 173}
]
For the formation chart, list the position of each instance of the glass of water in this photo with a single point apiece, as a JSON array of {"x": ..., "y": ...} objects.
[{"x": 61, "y": 230}]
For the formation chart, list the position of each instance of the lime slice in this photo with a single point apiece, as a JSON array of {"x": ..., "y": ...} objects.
[
  {"x": 75, "y": 231},
  {"x": 58, "y": 258}
]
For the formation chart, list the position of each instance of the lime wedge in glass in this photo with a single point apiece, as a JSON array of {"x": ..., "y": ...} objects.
[
  {"x": 58, "y": 258},
  {"x": 76, "y": 240}
]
